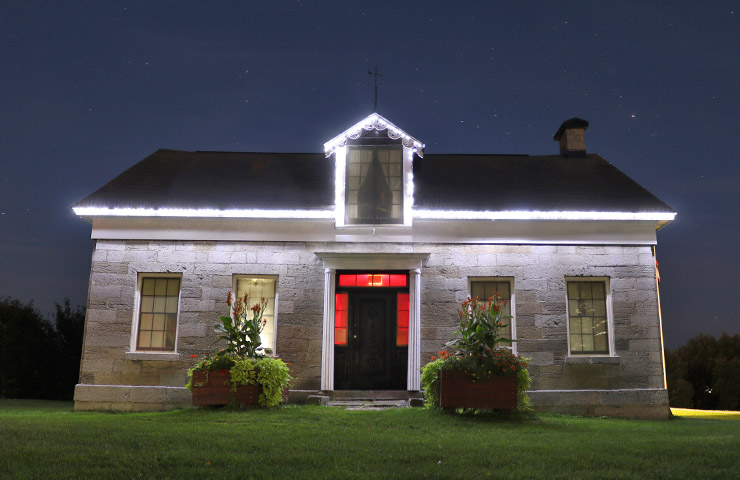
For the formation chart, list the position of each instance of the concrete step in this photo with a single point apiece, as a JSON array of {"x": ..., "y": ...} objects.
[
  {"x": 368, "y": 405},
  {"x": 367, "y": 395}
]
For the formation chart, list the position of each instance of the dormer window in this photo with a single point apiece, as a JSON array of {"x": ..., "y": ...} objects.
[
  {"x": 374, "y": 179},
  {"x": 374, "y": 185}
]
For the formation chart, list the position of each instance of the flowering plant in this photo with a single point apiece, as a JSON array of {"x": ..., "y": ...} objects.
[
  {"x": 481, "y": 324},
  {"x": 478, "y": 351},
  {"x": 242, "y": 332},
  {"x": 245, "y": 359}
]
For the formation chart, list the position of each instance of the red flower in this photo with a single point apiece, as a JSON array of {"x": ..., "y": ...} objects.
[
  {"x": 192, "y": 356},
  {"x": 228, "y": 299},
  {"x": 223, "y": 371}
]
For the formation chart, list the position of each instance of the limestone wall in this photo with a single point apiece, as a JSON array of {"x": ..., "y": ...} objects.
[{"x": 207, "y": 269}]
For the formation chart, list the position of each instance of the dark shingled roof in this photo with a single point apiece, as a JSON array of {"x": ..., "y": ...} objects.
[
  {"x": 221, "y": 180},
  {"x": 305, "y": 181},
  {"x": 521, "y": 182}
]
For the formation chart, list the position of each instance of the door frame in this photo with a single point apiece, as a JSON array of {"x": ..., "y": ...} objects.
[{"x": 411, "y": 262}]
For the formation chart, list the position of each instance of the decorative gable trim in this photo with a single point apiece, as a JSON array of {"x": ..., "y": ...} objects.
[{"x": 374, "y": 121}]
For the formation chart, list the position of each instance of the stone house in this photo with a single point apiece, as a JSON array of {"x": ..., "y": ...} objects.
[{"x": 364, "y": 253}]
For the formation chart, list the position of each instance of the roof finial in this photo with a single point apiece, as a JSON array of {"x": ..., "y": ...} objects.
[{"x": 376, "y": 75}]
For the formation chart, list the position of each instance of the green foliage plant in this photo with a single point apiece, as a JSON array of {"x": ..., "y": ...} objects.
[
  {"x": 246, "y": 360},
  {"x": 242, "y": 328},
  {"x": 272, "y": 374},
  {"x": 478, "y": 351}
]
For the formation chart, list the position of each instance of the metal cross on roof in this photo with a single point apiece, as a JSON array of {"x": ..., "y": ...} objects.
[{"x": 376, "y": 75}]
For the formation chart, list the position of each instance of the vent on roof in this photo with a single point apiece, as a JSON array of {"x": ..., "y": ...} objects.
[{"x": 572, "y": 137}]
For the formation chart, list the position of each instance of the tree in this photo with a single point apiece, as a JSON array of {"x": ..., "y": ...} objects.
[
  {"x": 705, "y": 373},
  {"x": 39, "y": 359}
]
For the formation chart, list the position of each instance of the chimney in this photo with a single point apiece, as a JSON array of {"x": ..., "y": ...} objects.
[{"x": 572, "y": 137}]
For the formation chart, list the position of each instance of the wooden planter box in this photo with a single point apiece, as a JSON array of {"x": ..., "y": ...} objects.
[
  {"x": 216, "y": 390},
  {"x": 458, "y": 390}
]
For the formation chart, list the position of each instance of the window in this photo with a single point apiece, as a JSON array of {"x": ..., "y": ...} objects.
[
  {"x": 485, "y": 288},
  {"x": 158, "y": 308},
  {"x": 588, "y": 326},
  {"x": 374, "y": 185},
  {"x": 258, "y": 287}
]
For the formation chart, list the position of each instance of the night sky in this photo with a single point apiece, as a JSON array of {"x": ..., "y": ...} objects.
[{"x": 90, "y": 88}]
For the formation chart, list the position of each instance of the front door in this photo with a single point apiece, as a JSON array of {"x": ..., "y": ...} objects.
[{"x": 370, "y": 359}]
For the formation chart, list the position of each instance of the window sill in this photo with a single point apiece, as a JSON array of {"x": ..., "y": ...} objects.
[
  {"x": 153, "y": 356},
  {"x": 586, "y": 360}
]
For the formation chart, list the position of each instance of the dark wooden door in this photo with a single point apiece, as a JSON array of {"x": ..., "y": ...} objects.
[{"x": 370, "y": 360}]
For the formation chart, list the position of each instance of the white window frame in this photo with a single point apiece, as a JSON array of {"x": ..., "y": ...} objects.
[
  {"x": 234, "y": 281},
  {"x": 340, "y": 172},
  {"x": 137, "y": 307},
  {"x": 512, "y": 302},
  {"x": 609, "y": 316}
]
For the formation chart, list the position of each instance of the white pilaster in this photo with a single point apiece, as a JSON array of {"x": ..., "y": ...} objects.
[
  {"x": 327, "y": 342},
  {"x": 413, "y": 381}
]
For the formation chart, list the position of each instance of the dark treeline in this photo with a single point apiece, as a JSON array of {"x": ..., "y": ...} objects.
[
  {"x": 39, "y": 358},
  {"x": 705, "y": 373}
]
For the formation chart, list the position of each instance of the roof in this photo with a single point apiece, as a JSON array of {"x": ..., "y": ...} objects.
[
  {"x": 527, "y": 183},
  {"x": 221, "y": 181},
  {"x": 170, "y": 179}
]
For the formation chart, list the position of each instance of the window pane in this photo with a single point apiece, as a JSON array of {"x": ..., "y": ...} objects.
[
  {"x": 160, "y": 286},
  {"x": 171, "y": 305},
  {"x": 340, "y": 301},
  {"x": 374, "y": 185},
  {"x": 402, "y": 337},
  {"x": 588, "y": 343},
  {"x": 147, "y": 303},
  {"x": 159, "y": 304},
  {"x": 157, "y": 328},
  {"x": 157, "y": 339},
  {"x": 146, "y": 321},
  {"x": 340, "y": 319},
  {"x": 145, "y": 339},
  {"x": 340, "y": 336},
  {"x": 158, "y": 323},
  {"x": 169, "y": 341},
  {"x": 147, "y": 286},
  {"x": 587, "y": 311},
  {"x": 403, "y": 319},
  {"x": 173, "y": 286},
  {"x": 258, "y": 288},
  {"x": 403, "y": 301}
]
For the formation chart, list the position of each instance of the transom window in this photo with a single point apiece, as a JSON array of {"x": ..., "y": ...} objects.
[
  {"x": 587, "y": 317},
  {"x": 259, "y": 287},
  {"x": 158, "y": 314},
  {"x": 374, "y": 185}
]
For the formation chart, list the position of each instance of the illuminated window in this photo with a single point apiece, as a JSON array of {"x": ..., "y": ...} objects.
[
  {"x": 373, "y": 280},
  {"x": 158, "y": 305},
  {"x": 587, "y": 317},
  {"x": 402, "y": 322},
  {"x": 340, "y": 318},
  {"x": 259, "y": 287},
  {"x": 485, "y": 288},
  {"x": 374, "y": 185}
]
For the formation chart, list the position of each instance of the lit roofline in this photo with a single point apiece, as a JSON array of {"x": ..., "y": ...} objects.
[
  {"x": 374, "y": 121},
  {"x": 542, "y": 215},
  {"x": 331, "y": 214},
  {"x": 200, "y": 212}
]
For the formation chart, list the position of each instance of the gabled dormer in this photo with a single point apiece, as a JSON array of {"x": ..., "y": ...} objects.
[{"x": 374, "y": 173}]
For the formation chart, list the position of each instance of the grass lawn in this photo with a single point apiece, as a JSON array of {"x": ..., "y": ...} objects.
[{"x": 48, "y": 440}]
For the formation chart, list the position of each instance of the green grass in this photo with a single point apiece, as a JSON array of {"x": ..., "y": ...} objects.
[{"x": 48, "y": 440}]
